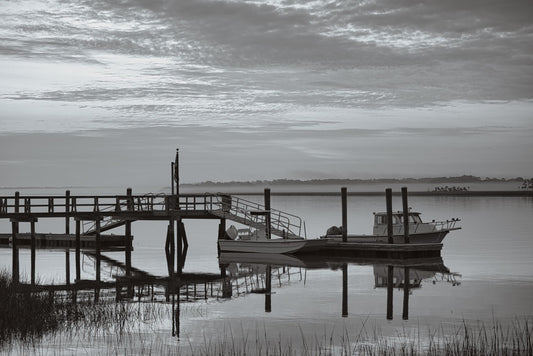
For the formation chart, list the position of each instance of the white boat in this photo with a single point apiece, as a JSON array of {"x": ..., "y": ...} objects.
[
  {"x": 419, "y": 232},
  {"x": 258, "y": 243}
]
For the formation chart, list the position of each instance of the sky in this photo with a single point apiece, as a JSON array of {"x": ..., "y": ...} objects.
[{"x": 103, "y": 92}]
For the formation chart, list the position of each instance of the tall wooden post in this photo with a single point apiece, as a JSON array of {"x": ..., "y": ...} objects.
[
  {"x": 98, "y": 248},
  {"x": 67, "y": 266},
  {"x": 127, "y": 256},
  {"x": 78, "y": 250},
  {"x": 405, "y": 314},
  {"x": 388, "y": 198},
  {"x": 390, "y": 285},
  {"x": 179, "y": 247},
  {"x": 268, "y": 289},
  {"x": 15, "y": 252},
  {"x": 268, "y": 216},
  {"x": 177, "y": 176},
  {"x": 129, "y": 199},
  {"x": 17, "y": 202},
  {"x": 67, "y": 212},
  {"x": 344, "y": 214},
  {"x": 32, "y": 231},
  {"x": 405, "y": 216},
  {"x": 172, "y": 170},
  {"x": 345, "y": 290}
]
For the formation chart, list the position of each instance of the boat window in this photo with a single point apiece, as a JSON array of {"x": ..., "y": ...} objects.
[
  {"x": 381, "y": 219},
  {"x": 416, "y": 219},
  {"x": 396, "y": 219}
]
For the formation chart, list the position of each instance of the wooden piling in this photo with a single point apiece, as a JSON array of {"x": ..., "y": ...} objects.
[
  {"x": 345, "y": 290},
  {"x": 179, "y": 237},
  {"x": 172, "y": 170},
  {"x": 344, "y": 214},
  {"x": 127, "y": 253},
  {"x": 98, "y": 248},
  {"x": 67, "y": 266},
  {"x": 268, "y": 289},
  {"x": 32, "y": 262},
  {"x": 390, "y": 282},
  {"x": 177, "y": 176},
  {"x": 388, "y": 198},
  {"x": 405, "y": 215},
  {"x": 67, "y": 212},
  {"x": 268, "y": 214},
  {"x": 17, "y": 202},
  {"x": 78, "y": 250},
  {"x": 15, "y": 252},
  {"x": 405, "y": 313}
]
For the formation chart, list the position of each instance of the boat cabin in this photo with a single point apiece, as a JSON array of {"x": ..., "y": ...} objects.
[{"x": 415, "y": 223}]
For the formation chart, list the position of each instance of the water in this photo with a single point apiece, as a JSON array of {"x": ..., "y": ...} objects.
[{"x": 489, "y": 261}]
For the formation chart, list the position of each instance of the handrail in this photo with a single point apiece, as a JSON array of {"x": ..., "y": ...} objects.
[{"x": 282, "y": 223}]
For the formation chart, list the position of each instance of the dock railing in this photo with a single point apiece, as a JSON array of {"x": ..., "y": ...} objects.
[{"x": 246, "y": 212}]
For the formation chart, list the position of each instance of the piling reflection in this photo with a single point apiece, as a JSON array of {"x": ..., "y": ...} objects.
[{"x": 240, "y": 274}]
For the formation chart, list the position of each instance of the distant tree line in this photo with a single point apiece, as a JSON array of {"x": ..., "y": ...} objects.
[{"x": 335, "y": 181}]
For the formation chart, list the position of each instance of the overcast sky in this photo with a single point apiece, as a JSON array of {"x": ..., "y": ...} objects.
[{"x": 102, "y": 92}]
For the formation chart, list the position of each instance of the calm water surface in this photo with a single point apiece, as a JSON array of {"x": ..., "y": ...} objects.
[{"x": 486, "y": 274}]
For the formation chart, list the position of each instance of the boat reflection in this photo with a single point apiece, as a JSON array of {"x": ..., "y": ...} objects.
[{"x": 405, "y": 274}]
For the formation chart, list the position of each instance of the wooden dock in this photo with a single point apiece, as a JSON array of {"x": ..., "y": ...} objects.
[{"x": 95, "y": 214}]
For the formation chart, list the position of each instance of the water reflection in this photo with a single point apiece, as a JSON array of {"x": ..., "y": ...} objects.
[{"x": 241, "y": 274}]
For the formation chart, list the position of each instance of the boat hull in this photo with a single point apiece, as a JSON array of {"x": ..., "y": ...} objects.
[
  {"x": 271, "y": 246},
  {"x": 423, "y": 238}
]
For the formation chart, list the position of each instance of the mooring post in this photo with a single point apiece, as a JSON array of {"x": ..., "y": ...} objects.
[
  {"x": 15, "y": 251},
  {"x": 17, "y": 202},
  {"x": 345, "y": 290},
  {"x": 184, "y": 247},
  {"x": 222, "y": 229},
  {"x": 170, "y": 248},
  {"x": 179, "y": 237},
  {"x": 67, "y": 266},
  {"x": 78, "y": 250},
  {"x": 268, "y": 289},
  {"x": 172, "y": 170},
  {"x": 67, "y": 212},
  {"x": 388, "y": 198},
  {"x": 98, "y": 248},
  {"x": 405, "y": 314},
  {"x": 405, "y": 216},
  {"x": 129, "y": 199},
  {"x": 177, "y": 177},
  {"x": 127, "y": 256},
  {"x": 390, "y": 282},
  {"x": 344, "y": 214},
  {"x": 268, "y": 216},
  {"x": 32, "y": 232}
]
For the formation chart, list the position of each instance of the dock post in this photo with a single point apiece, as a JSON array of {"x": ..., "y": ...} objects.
[
  {"x": 32, "y": 231},
  {"x": 170, "y": 248},
  {"x": 127, "y": 252},
  {"x": 344, "y": 214},
  {"x": 17, "y": 202},
  {"x": 390, "y": 282},
  {"x": 183, "y": 246},
  {"x": 67, "y": 266},
  {"x": 129, "y": 203},
  {"x": 78, "y": 250},
  {"x": 405, "y": 216},
  {"x": 172, "y": 169},
  {"x": 15, "y": 251},
  {"x": 345, "y": 290},
  {"x": 98, "y": 248},
  {"x": 388, "y": 198},
  {"x": 222, "y": 229},
  {"x": 268, "y": 215},
  {"x": 268, "y": 289},
  {"x": 405, "y": 314},
  {"x": 67, "y": 212},
  {"x": 179, "y": 247},
  {"x": 177, "y": 176}
]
